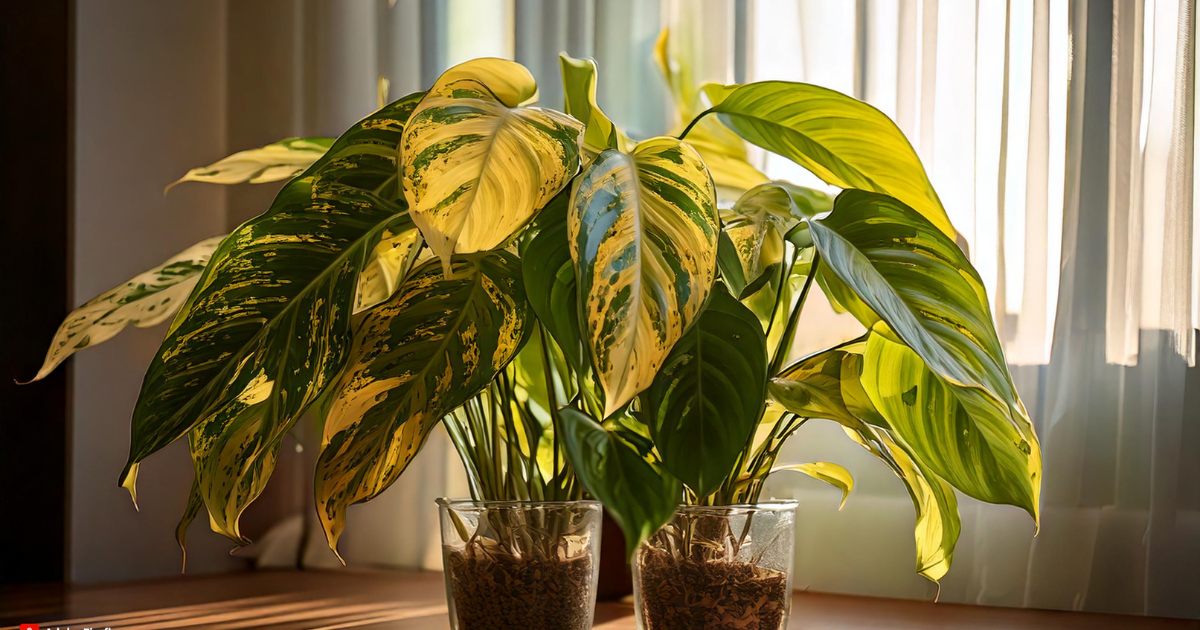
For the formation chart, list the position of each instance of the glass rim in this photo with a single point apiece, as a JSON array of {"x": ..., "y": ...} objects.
[
  {"x": 774, "y": 505},
  {"x": 447, "y": 502}
]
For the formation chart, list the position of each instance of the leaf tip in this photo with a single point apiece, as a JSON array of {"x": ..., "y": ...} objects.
[{"x": 129, "y": 482}]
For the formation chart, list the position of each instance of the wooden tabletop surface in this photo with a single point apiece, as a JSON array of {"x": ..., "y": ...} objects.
[{"x": 331, "y": 600}]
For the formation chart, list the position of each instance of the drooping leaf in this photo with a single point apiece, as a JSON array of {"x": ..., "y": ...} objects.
[
  {"x": 827, "y": 385},
  {"x": 755, "y": 228},
  {"x": 811, "y": 387},
  {"x": 279, "y": 160},
  {"x": 194, "y": 505},
  {"x": 829, "y": 472},
  {"x": 844, "y": 141},
  {"x": 267, "y": 327},
  {"x": 643, "y": 233},
  {"x": 722, "y": 150},
  {"x": 938, "y": 523},
  {"x": 550, "y": 278},
  {"x": 639, "y": 498},
  {"x": 704, "y": 404},
  {"x": 579, "y": 86},
  {"x": 416, "y": 358},
  {"x": 476, "y": 165},
  {"x": 921, "y": 284},
  {"x": 146, "y": 300}
]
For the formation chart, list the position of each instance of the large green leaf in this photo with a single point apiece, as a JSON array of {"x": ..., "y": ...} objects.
[
  {"x": 921, "y": 284},
  {"x": 416, "y": 358},
  {"x": 579, "y": 85},
  {"x": 643, "y": 229},
  {"x": 827, "y": 385},
  {"x": 476, "y": 165},
  {"x": 844, "y": 141},
  {"x": 146, "y": 300},
  {"x": 550, "y": 278},
  {"x": 267, "y": 327},
  {"x": 705, "y": 403},
  {"x": 638, "y": 497},
  {"x": 279, "y": 160},
  {"x": 752, "y": 232}
]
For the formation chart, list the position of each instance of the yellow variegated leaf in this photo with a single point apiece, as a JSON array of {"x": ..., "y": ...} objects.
[
  {"x": 753, "y": 231},
  {"x": 938, "y": 523},
  {"x": 723, "y": 151},
  {"x": 416, "y": 357},
  {"x": 830, "y": 473},
  {"x": 146, "y": 300},
  {"x": 643, "y": 234},
  {"x": 828, "y": 385},
  {"x": 279, "y": 160},
  {"x": 267, "y": 328},
  {"x": 391, "y": 258},
  {"x": 579, "y": 83},
  {"x": 475, "y": 165},
  {"x": 194, "y": 505}
]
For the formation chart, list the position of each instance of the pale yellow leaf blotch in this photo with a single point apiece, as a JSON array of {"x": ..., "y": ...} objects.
[{"x": 476, "y": 165}]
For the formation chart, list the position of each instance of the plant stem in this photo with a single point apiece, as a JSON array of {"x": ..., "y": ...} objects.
[
  {"x": 785, "y": 342},
  {"x": 693, "y": 123}
]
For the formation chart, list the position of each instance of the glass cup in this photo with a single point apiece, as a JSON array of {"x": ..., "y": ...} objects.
[
  {"x": 718, "y": 567},
  {"x": 520, "y": 564}
]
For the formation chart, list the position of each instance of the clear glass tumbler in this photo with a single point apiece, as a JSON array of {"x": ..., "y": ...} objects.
[
  {"x": 520, "y": 564},
  {"x": 719, "y": 568}
]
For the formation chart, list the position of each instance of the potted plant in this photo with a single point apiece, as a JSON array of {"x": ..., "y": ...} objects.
[
  {"x": 584, "y": 320},
  {"x": 687, "y": 316}
]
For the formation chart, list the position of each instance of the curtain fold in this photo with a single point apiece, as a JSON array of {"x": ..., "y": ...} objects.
[{"x": 1060, "y": 136}]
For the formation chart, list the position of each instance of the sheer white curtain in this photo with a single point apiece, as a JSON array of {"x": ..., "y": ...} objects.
[{"x": 1060, "y": 136}]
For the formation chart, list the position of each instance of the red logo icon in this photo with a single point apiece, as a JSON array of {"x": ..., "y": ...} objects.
[{"x": 29, "y": 626}]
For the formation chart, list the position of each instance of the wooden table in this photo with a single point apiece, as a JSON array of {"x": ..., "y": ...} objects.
[{"x": 331, "y": 600}]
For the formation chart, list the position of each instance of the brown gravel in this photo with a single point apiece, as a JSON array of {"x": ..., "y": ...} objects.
[
  {"x": 692, "y": 594},
  {"x": 503, "y": 592}
]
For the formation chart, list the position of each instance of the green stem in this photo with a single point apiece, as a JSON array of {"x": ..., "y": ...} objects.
[
  {"x": 789, "y": 333},
  {"x": 693, "y": 123},
  {"x": 785, "y": 272}
]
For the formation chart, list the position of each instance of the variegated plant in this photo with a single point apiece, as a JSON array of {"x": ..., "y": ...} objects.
[{"x": 588, "y": 315}]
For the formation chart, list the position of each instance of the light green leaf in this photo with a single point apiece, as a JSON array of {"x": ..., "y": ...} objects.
[
  {"x": 416, "y": 358},
  {"x": 146, "y": 300},
  {"x": 643, "y": 229},
  {"x": 638, "y": 497},
  {"x": 579, "y": 84},
  {"x": 830, "y": 473},
  {"x": 753, "y": 231},
  {"x": 267, "y": 327},
  {"x": 921, "y": 284},
  {"x": 844, "y": 141},
  {"x": 811, "y": 387},
  {"x": 938, "y": 523},
  {"x": 705, "y": 403},
  {"x": 827, "y": 385},
  {"x": 475, "y": 165},
  {"x": 279, "y": 160}
]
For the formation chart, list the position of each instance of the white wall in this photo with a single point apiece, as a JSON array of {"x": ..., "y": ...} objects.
[{"x": 150, "y": 104}]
